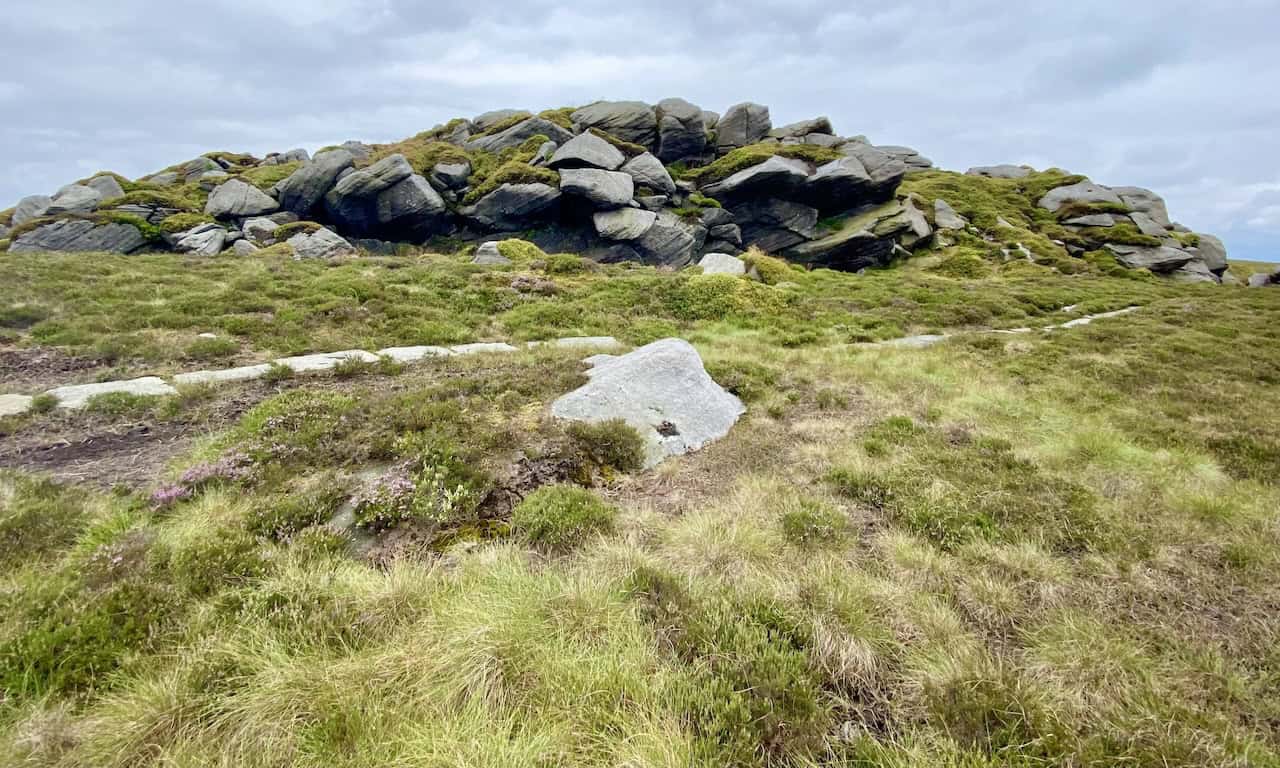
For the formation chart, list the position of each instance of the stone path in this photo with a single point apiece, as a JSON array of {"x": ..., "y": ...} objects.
[
  {"x": 77, "y": 396},
  {"x": 928, "y": 340}
]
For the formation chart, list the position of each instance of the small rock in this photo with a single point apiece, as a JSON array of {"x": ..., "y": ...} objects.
[
  {"x": 722, "y": 264},
  {"x": 321, "y": 244},
  {"x": 236, "y": 199},
  {"x": 663, "y": 391},
  {"x": 587, "y": 150},
  {"x": 946, "y": 217},
  {"x": 605, "y": 189},
  {"x": 14, "y": 405}
]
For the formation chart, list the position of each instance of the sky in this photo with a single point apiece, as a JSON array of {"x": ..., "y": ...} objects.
[{"x": 1179, "y": 97}]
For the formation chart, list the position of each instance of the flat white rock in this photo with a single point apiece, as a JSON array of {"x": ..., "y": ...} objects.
[
  {"x": 12, "y": 405},
  {"x": 77, "y": 396},
  {"x": 325, "y": 361},
  {"x": 661, "y": 389},
  {"x": 243, "y": 373},
  {"x": 413, "y": 354},
  {"x": 723, "y": 264},
  {"x": 482, "y": 346}
]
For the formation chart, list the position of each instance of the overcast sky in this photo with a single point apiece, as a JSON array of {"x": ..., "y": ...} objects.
[{"x": 1176, "y": 96}]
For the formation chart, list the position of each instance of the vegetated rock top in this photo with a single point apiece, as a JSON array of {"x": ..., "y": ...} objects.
[{"x": 662, "y": 184}]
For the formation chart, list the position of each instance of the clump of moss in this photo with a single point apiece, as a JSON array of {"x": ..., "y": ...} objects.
[
  {"x": 287, "y": 231},
  {"x": 149, "y": 231},
  {"x": 561, "y": 517},
  {"x": 747, "y": 157},
  {"x": 965, "y": 265},
  {"x": 189, "y": 198},
  {"x": 6, "y": 217},
  {"x": 627, "y": 148},
  {"x": 562, "y": 117},
  {"x": 513, "y": 172},
  {"x": 771, "y": 269},
  {"x": 1121, "y": 234},
  {"x": 423, "y": 152},
  {"x": 520, "y": 251},
  {"x": 702, "y": 201},
  {"x": 181, "y": 222},
  {"x": 612, "y": 444},
  {"x": 267, "y": 176},
  {"x": 506, "y": 123},
  {"x": 232, "y": 158}
]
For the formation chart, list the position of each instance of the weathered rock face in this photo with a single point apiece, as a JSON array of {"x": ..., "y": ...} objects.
[
  {"x": 1084, "y": 192},
  {"x": 106, "y": 186},
  {"x": 306, "y": 187},
  {"x": 778, "y": 177},
  {"x": 411, "y": 208},
  {"x": 667, "y": 242},
  {"x": 519, "y": 134},
  {"x": 946, "y": 217},
  {"x": 632, "y": 121},
  {"x": 321, "y": 244},
  {"x": 1001, "y": 171},
  {"x": 603, "y": 189},
  {"x": 353, "y": 202},
  {"x": 623, "y": 223},
  {"x": 663, "y": 391},
  {"x": 74, "y": 198},
  {"x": 1146, "y": 202},
  {"x": 31, "y": 207},
  {"x": 587, "y": 150},
  {"x": 818, "y": 125},
  {"x": 682, "y": 131},
  {"x": 204, "y": 240},
  {"x": 512, "y": 206},
  {"x": 80, "y": 235},
  {"x": 648, "y": 171},
  {"x": 741, "y": 125},
  {"x": 1212, "y": 252},
  {"x": 236, "y": 199},
  {"x": 1161, "y": 259}
]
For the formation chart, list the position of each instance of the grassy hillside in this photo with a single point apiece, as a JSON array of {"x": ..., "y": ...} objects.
[{"x": 1048, "y": 548}]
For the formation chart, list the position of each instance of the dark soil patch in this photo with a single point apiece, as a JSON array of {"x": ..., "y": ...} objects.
[{"x": 28, "y": 371}]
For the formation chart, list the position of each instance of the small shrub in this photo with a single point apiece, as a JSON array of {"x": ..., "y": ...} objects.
[
  {"x": 614, "y": 444},
  {"x": 560, "y": 517},
  {"x": 747, "y": 379},
  {"x": 283, "y": 517},
  {"x": 23, "y": 315},
  {"x": 217, "y": 559},
  {"x": 963, "y": 266},
  {"x": 862, "y": 487},
  {"x": 120, "y": 404},
  {"x": 277, "y": 372},
  {"x": 351, "y": 367},
  {"x": 44, "y": 403},
  {"x": 181, "y": 222},
  {"x": 211, "y": 349},
  {"x": 566, "y": 264},
  {"x": 812, "y": 523},
  {"x": 286, "y": 231},
  {"x": 771, "y": 269},
  {"x": 38, "y": 517}
]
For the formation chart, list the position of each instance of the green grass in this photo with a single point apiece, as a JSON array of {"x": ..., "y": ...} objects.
[
  {"x": 746, "y": 157},
  {"x": 1028, "y": 549}
]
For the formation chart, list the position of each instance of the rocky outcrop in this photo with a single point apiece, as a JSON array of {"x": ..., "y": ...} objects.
[
  {"x": 587, "y": 188},
  {"x": 663, "y": 391}
]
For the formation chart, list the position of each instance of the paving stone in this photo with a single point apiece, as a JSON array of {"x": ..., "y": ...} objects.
[
  {"x": 413, "y": 354},
  {"x": 77, "y": 396},
  {"x": 484, "y": 346},
  {"x": 244, "y": 373},
  {"x": 12, "y": 405},
  {"x": 325, "y": 361}
]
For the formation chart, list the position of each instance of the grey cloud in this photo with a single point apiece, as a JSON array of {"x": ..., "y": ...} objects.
[{"x": 1161, "y": 94}]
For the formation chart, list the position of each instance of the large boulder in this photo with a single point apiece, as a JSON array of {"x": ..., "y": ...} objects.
[
  {"x": 74, "y": 198},
  {"x": 512, "y": 206},
  {"x": 587, "y": 150},
  {"x": 623, "y": 223},
  {"x": 604, "y": 189},
  {"x": 1145, "y": 201},
  {"x": 412, "y": 208},
  {"x": 774, "y": 224},
  {"x": 1157, "y": 259},
  {"x": 487, "y": 120},
  {"x": 1083, "y": 192},
  {"x": 908, "y": 156},
  {"x": 235, "y": 199},
  {"x": 864, "y": 240},
  {"x": 668, "y": 242},
  {"x": 31, "y": 207},
  {"x": 260, "y": 229},
  {"x": 106, "y": 185},
  {"x": 80, "y": 235},
  {"x": 1193, "y": 271},
  {"x": 945, "y": 217},
  {"x": 742, "y": 124},
  {"x": 648, "y": 171},
  {"x": 519, "y": 134},
  {"x": 451, "y": 175},
  {"x": 777, "y": 176},
  {"x": 682, "y": 134},
  {"x": 302, "y": 191},
  {"x": 204, "y": 240},
  {"x": 1212, "y": 252},
  {"x": 885, "y": 170},
  {"x": 320, "y": 244},
  {"x": 841, "y": 185},
  {"x": 353, "y": 202},
  {"x": 663, "y": 391},
  {"x": 632, "y": 121},
  {"x": 818, "y": 125}
]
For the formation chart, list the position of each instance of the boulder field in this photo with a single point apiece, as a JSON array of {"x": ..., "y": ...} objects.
[{"x": 661, "y": 184}]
